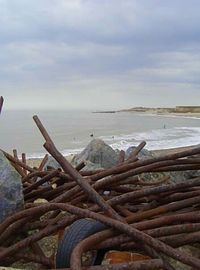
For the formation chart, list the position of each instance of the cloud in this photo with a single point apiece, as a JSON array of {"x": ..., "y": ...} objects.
[{"x": 87, "y": 46}]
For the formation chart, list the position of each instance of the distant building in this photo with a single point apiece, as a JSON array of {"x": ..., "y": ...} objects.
[{"x": 187, "y": 109}]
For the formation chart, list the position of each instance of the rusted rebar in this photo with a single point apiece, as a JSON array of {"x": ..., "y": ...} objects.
[
  {"x": 136, "y": 234},
  {"x": 67, "y": 167},
  {"x": 1, "y": 103}
]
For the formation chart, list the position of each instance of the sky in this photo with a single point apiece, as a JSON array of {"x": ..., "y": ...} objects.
[{"x": 99, "y": 54}]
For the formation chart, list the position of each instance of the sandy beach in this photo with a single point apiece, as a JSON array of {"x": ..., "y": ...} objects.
[
  {"x": 189, "y": 115},
  {"x": 35, "y": 162}
]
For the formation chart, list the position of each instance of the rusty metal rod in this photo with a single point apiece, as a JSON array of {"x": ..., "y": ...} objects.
[
  {"x": 181, "y": 239},
  {"x": 136, "y": 151},
  {"x": 121, "y": 157},
  {"x": 18, "y": 169},
  {"x": 18, "y": 162},
  {"x": 80, "y": 180},
  {"x": 34, "y": 175},
  {"x": 24, "y": 161},
  {"x": 125, "y": 167},
  {"x": 67, "y": 167},
  {"x": 37, "y": 193},
  {"x": 15, "y": 155},
  {"x": 131, "y": 196},
  {"x": 33, "y": 258},
  {"x": 147, "y": 225},
  {"x": 1, "y": 103},
  {"x": 44, "y": 179},
  {"x": 147, "y": 168},
  {"x": 80, "y": 166},
  {"x": 165, "y": 231},
  {"x": 12, "y": 229},
  {"x": 43, "y": 162}
]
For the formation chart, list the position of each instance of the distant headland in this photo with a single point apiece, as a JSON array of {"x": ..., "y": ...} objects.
[{"x": 177, "y": 109}]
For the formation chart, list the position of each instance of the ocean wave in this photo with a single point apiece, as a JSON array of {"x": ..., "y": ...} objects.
[
  {"x": 155, "y": 139},
  {"x": 170, "y": 115}
]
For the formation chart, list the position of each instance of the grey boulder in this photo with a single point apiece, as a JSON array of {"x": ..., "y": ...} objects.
[
  {"x": 98, "y": 152},
  {"x": 11, "y": 195},
  {"x": 51, "y": 164},
  {"x": 143, "y": 154}
]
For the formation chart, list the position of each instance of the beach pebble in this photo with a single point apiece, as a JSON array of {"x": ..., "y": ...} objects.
[{"x": 11, "y": 195}]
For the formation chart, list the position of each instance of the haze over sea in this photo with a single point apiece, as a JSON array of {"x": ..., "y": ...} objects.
[{"x": 71, "y": 130}]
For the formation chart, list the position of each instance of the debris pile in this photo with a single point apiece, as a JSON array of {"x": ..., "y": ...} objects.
[{"x": 151, "y": 218}]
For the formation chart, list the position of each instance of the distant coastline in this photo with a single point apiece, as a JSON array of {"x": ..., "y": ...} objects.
[
  {"x": 178, "y": 110},
  {"x": 105, "y": 111}
]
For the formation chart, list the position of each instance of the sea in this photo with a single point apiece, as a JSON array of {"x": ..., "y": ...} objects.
[{"x": 71, "y": 131}]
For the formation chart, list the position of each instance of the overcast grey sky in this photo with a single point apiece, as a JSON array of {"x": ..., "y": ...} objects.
[{"x": 99, "y": 54}]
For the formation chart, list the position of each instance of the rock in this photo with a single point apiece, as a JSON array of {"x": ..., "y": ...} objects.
[
  {"x": 89, "y": 166},
  {"x": 98, "y": 152},
  {"x": 192, "y": 250},
  {"x": 11, "y": 195},
  {"x": 175, "y": 176},
  {"x": 51, "y": 164},
  {"x": 143, "y": 154},
  {"x": 180, "y": 176}
]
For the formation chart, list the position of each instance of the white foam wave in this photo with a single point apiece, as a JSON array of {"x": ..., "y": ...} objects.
[
  {"x": 183, "y": 116},
  {"x": 157, "y": 139}
]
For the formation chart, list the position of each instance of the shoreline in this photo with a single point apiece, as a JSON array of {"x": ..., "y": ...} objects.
[
  {"x": 165, "y": 114},
  {"x": 169, "y": 151},
  {"x": 35, "y": 162},
  {"x": 155, "y": 113}
]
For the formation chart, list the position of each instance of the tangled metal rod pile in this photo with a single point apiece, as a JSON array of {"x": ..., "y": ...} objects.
[{"x": 153, "y": 217}]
